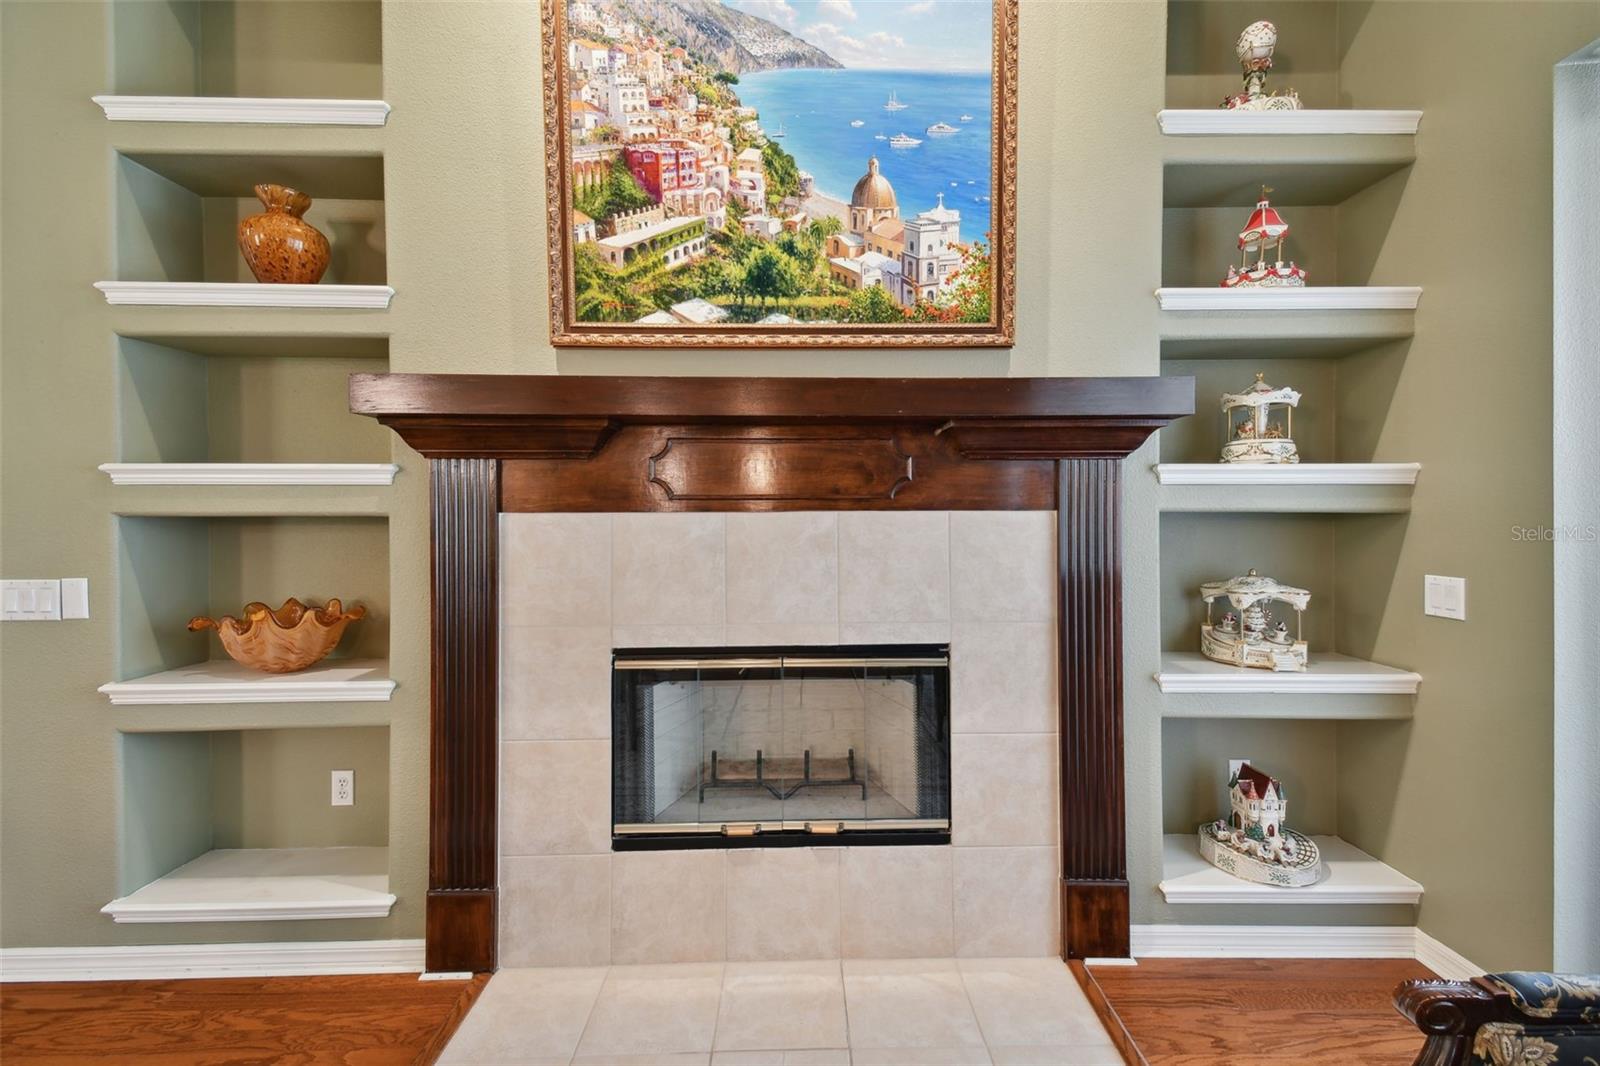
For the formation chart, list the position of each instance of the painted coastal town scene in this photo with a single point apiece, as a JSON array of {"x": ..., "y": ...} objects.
[{"x": 780, "y": 163}]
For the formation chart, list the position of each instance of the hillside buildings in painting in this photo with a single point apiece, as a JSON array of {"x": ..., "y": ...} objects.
[
  {"x": 641, "y": 107},
  {"x": 913, "y": 259}
]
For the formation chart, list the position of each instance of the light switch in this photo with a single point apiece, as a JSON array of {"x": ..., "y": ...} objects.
[
  {"x": 1445, "y": 597},
  {"x": 32, "y": 600}
]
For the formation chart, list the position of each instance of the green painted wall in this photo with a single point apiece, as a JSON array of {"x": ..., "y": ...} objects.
[
  {"x": 463, "y": 244},
  {"x": 1472, "y": 220}
]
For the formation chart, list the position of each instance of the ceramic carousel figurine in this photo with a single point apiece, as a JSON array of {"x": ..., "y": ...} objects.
[
  {"x": 1253, "y": 843},
  {"x": 1255, "y": 638},
  {"x": 1258, "y": 424},
  {"x": 1265, "y": 231},
  {"x": 1254, "y": 49}
]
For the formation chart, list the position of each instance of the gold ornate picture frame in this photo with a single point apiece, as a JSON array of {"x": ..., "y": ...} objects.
[{"x": 689, "y": 144}]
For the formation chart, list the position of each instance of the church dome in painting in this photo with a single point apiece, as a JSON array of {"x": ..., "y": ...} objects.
[{"x": 873, "y": 190}]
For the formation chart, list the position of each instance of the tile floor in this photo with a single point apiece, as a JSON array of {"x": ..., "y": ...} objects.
[{"x": 859, "y": 1012}]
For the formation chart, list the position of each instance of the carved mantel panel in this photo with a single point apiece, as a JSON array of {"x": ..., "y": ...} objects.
[
  {"x": 550, "y": 443},
  {"x": 813, "y": 470}
]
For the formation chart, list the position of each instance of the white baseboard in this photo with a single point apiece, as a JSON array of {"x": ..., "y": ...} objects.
[
  {"x": 1274, "y": 941},
  {"x": 1445, "y": 960},
  {"x": 163, "y": 961},
  {"x": 1302, "y": 942}
]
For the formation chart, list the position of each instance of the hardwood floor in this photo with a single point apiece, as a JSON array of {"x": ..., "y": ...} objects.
[
  {"x": 354, "y": 1020},
  {"x": 1257, "y": 1012}
]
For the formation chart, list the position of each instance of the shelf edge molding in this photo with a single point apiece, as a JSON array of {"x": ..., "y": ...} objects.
[
  {"x": 251, "y": 473},
  {"x": 244, "y": 109},
  {"x": 1308, "y": 298},
  {"x": 123, "y": 912},
  {"x": 1287, "y": 474},
  {"x": 242, "y": 294},
  {"x": 224, "y": 681},
  {"x": 1192, "y": 672},
  {"x": 1214, "y": 121}
]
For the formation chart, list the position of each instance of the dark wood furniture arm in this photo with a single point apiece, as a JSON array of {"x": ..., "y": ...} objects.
[{"x": 1449, "y": 1013}]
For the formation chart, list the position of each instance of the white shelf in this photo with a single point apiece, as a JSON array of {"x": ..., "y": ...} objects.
[
  {"x": 251, "y": 473},
  {"x": 1216, "y": 120},
  {"x": 265, "y": 885},
  {"x": 225, "y": 681},
  {"x": 242, "y": 294},
  {"x": 1349, "y": 875},
  {"x": 1327, "y": 673},
  {"x": 1306, "y": 298},
  {"x": 1286, "y": 474},
  {"x": 251, "y": 109}
]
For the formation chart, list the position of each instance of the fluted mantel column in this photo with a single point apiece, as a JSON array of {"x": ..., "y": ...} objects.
[
  {"x": 463, "y": 728},
  {"x": 1094, "y": 864}
]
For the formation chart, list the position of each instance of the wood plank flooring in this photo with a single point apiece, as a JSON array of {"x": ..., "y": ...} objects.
[
  {"x": 1259, "y": 1012},
  {"x": 350, "y": 1020}
]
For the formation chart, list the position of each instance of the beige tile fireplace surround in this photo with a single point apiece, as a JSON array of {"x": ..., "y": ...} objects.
[{"x": 575, "y": 586}]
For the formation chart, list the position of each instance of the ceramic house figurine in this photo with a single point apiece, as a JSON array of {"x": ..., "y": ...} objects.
[
  {"x": 1264, "y": 234},
  {"x": 1253, "y": 843},
  {"x": 1254, "y": 49},
  {"x": 1258, "y": 424},
  {"x": 1254, "y": 637}
]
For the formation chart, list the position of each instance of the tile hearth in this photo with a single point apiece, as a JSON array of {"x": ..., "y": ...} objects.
[{"x": 861, "y": 1012}]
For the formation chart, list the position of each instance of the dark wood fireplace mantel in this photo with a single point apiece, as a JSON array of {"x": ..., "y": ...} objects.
[{"x": 552, "y": 443}]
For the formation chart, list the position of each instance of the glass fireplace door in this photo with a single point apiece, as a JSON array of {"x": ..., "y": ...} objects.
[{"x": 803, "y": 744}]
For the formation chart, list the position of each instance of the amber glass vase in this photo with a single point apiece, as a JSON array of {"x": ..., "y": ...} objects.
[{"x": 281, "y": 247}]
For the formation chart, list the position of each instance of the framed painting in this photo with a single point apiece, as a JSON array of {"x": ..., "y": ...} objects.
[{"x": 780, "y": 173}]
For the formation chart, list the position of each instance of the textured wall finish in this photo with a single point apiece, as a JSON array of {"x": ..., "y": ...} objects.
[{"x": 575, "y": 586}]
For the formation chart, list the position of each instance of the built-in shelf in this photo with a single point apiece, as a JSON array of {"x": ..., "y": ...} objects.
[
  {"x": 252, "y": 109},
  {"x": 265, "y": 885},
  {"x": 1285, "y": 473},
  {"x": 1309, "y": 121},
  {"x": 254, "y": 501},
  {"x": 1255, "y": 334},
  {"x": 225, "y": 681},
  {"x": 251, "y": 473},
  {"x": 1349, "y": 876},
  {"x": 1327, "y": 673},
  {"x": 242, "y": 294},
  {"x": 1306, "y": 298},
  {"x": 1318, "y": 488},
  {"x": 1302, "y": 171}
]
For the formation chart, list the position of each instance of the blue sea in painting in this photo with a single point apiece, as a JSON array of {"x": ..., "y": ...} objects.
[{"x": 816, "y": 107}]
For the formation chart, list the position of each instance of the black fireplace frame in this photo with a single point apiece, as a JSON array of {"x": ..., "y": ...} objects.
[{"x": 864, "y": 837}]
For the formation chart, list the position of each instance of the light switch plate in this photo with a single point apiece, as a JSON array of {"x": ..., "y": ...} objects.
[
  {"x": 74, "y": 597},
  {"x": 1233, "y": 767},
  {"x": 31, "y": 600},
  {"x": 1444, "y": 597}
]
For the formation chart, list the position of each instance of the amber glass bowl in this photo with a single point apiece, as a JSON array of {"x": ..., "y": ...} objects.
[{"x": 280, "y": 642}]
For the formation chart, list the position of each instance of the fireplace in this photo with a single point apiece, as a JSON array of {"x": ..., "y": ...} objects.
[
  {"x": 504, "y": 445},
  {"x": 739, "y": 747}
]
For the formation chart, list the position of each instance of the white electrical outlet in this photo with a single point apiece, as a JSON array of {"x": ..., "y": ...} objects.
[
  {"x": 344, "y": 788},
  {"x": 1445, "y": 597},
  {"x": 1233, "y": 766}
]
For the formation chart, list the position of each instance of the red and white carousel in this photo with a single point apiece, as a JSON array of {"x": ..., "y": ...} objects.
[{"x": 1265, "y": 232}]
